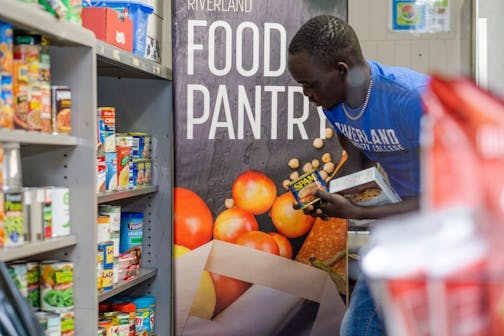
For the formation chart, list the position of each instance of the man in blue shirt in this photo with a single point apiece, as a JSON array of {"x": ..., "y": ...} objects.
[{"x": 376, "y": 113}]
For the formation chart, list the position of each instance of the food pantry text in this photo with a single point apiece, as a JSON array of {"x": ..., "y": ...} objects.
[{"x": 234, "y": 107}]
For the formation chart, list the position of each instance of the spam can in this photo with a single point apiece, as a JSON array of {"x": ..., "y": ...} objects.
[{"x": 303, "y": 188}]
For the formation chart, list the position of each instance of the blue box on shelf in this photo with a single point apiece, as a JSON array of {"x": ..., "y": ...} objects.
[{"x": 137, "y": 11}]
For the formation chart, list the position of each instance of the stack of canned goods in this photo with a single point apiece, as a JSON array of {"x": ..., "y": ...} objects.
[
  {"x": 108, "y": 228},
  {"x": 127, "y": 316},
  {"x": 123, "y": 159},
  {"x": 29, "y": 214},
  {"x": 27, "y": 98},
  {"x": 48, "y": 288}
]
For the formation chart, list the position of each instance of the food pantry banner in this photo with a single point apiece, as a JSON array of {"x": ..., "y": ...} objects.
[{"x": 247, "y": 263}]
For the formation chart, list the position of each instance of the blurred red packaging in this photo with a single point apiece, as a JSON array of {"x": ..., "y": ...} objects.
[
  {"x": 463, "y": 163},
  {"x": 464, "y": 160}
]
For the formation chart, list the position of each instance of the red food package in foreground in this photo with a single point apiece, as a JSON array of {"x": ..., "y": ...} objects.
[{"x": 465, "y": 162}]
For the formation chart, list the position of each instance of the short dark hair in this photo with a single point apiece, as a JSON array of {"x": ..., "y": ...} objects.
[{"x": 329, "y": 39}]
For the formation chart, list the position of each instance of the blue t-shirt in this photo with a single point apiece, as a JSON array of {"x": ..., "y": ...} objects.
[{"x": 388, "y": 131}]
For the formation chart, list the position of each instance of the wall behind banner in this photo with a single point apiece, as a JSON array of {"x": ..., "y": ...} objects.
[{"x": 236, "y": 106}]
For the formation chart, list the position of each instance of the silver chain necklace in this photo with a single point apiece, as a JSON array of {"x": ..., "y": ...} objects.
[{"x": 363, "y": 106}]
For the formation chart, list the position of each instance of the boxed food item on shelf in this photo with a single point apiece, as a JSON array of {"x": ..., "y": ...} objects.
[
  {"x": 61, "y": 104},
  {"x": 123, "y": 167},
  {"x": 111, "y": 171},
  {"x": 109, "y": 26},
  {"x": 138, "y": 12},
  {"x": 6, "y": 72},
  {"x": 70, "y": 10},
  {"x": 6, "y": 47},
  {"x": 367, "y": 187},
  {"x": 107, "y": 128}
]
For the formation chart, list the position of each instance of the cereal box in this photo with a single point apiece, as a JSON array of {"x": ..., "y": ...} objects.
[
  {"x": 6, "y": 101},
  {"x": 111, "y": 171},
  {"x": 123, "y": 169},
  {"x": 6, "y": 47},
  {"x": 367, "y": 187},
  {"x": 107, "y": 128}
]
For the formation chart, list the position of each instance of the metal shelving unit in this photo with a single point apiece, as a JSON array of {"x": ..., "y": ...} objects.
[
  {"x": 145, "y": 274},
  {"x": 116, "y": 62},
  {"x": 119, "y": 195},
  {"x": 37, "y": 138},
  {"x": 32, "y": 249},
  {"x": 64, "y": 160},
  {"x": 143, "y": 102},
  {"x": 30, "y": 18},
  {"x": 78, "y": 59}
]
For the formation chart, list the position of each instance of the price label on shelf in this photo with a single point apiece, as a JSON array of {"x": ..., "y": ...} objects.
[
  {"x": 100, "y": 49},
  {"x": 135, "y": 61},
  {"x": 156, "y": 70},
  {"x": 116, "y": 55}
]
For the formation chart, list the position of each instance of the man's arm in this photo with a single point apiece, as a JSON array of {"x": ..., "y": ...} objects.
[{"x": 336, "y": 205}]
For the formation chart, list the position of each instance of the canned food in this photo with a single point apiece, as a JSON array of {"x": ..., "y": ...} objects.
[
  {"x": 115, "y": 276},
  {"x": 27, "y": 112},
  {"x": 141, "y": 145},
  {"x": 103, "y": 229},
  {"x": 101, "y": 177},
  {"x": 13, "y": 219},
  {"x": 56, "y": 286},
  {"x": 123, "y": 140},
  {"x": 148, "y": 173},
  {"x": 99, "y": 270},
  {"x": 130, "y": 309},
  {"x": 114, "y": 213},
  {"x": 18, "y": 274},
  {"x": 107, "y": 249},
  {"x": 108, "y": 277},
  {"x": 50, "y": 322},
  {"x": 106, "y": 325},
  {"x": 33, "y": 284},
  {"x": 36, "y": 214},
  {"x": 11, "y": 167},
  {"x": 303, "y": 189},
  {"x": 137, "y": 174},
  {"x": 67, "y": 323},
  {"x": 61, "y": 103},
  {"x": 58, "y": 198}
]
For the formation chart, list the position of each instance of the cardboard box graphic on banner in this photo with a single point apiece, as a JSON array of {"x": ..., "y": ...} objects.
[{"x": 280, "y": 285}]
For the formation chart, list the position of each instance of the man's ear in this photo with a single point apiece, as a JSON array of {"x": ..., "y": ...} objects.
[{"x": 342, "y": 68}]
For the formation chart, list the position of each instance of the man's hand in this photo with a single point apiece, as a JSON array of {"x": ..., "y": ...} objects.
[
  {"x": 330, "y": 205},
  {"x": 336, "y": 205}
]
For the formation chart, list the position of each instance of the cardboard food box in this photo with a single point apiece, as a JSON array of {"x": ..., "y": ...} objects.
[
  {"x": 367, "y": 187},
  {"x": 108, "y": 26},
  {"x": 279, "y": 287}
]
